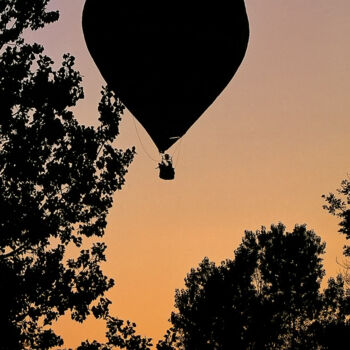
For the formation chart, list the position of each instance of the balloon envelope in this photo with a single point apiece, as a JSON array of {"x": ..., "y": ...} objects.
[{"x": 167, "y": 61}]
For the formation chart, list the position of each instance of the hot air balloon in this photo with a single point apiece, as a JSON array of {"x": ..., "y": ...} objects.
[{"x": 166, "y": 61}]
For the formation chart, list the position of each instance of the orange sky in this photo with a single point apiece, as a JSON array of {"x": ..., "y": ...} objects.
[{"x": 275, "y": 140}]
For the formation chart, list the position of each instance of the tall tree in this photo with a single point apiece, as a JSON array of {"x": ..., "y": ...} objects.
[
  {"x": 338, "y": 317},
  {"x": 332, "y": 327},
  {"x": 339, "y": 205},
  {"x": 57, "y": 183},
  {"x": 267, "y": 297}
]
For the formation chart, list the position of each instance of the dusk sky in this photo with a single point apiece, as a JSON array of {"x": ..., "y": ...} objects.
[{"x": 264, "y": 152}]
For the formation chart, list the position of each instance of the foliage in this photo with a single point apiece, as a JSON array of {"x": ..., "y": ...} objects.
[
  {"x": 121, "y": 335},
  {"x": 17, "y": 15},
  {"x": 340, "y": 206},
  {"x": 267, "y": 297},
  {"x": 332, "y": 326},
  {"x": 58, "y": 178}
]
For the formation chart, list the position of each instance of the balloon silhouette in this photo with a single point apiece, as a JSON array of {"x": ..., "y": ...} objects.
[{"x": 167, "y": 61}]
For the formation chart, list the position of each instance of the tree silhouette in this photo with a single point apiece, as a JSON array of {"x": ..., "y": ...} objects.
[
  {"x": 267, "y": 297},
  {"x": 338, "y": 327},
  {"x": 57, "y": 182},
  {"x": 332, "y": 327},
  {"x": 340, "y": 206}
]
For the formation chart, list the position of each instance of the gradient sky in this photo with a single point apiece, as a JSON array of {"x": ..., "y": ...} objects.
[{"x": 265, "y": 151}]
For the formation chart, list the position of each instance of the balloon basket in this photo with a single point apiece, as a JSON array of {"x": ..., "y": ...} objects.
[{"x": 166, "y": 172}]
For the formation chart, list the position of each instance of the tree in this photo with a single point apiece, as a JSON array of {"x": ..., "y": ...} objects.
[
  {"x": 340, "y": 206},
  {"x": 332, "y": 327},
  {"x": 338, "y": 327},
  {"x": 267, "y": 297},
  {"x": 57, "y": 182}
]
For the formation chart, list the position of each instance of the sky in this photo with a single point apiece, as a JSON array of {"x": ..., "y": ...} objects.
[{"x": 264, "y": 152}]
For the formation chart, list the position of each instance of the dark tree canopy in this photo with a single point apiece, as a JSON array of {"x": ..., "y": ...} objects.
[
  {"x": 339, "y": 205},
  {"x": 267, "y": 297},
  {"x": 58, "y": 178},
  {"x": 17, "y": 15}
]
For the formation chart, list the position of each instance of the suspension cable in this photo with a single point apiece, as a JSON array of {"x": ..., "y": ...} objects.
[
  {"x": 142, "y": 146},
  {"x": 178, "y": 151}
]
